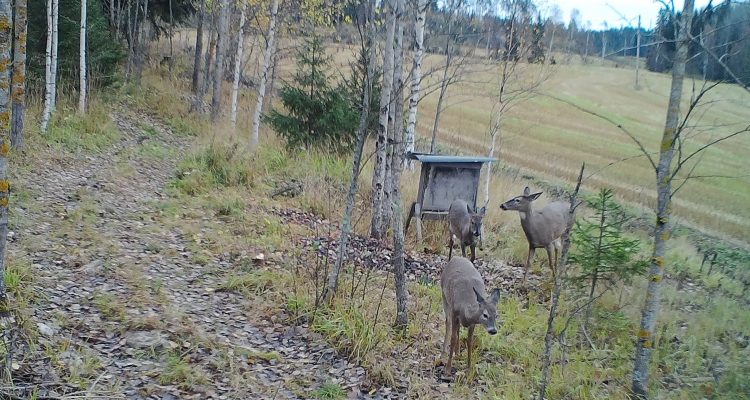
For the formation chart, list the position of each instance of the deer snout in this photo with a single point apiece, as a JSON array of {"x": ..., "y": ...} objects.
[
  {"x": 503, "y": 207},
  {"x": 492, "y": 330}
]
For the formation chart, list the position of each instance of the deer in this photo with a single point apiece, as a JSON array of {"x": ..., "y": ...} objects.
[
  {"x": 466, "y": 226},
  {"x": 543, "y": 228},
  {"x": 466, "y": 304}
]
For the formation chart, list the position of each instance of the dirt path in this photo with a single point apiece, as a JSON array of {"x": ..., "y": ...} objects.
[{"x": 124, "y": 310}]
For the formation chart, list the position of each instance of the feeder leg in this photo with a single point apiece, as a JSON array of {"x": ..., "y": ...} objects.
[
  {"x": 408, "y": 219},
  {"x": 418, "y": 215}
]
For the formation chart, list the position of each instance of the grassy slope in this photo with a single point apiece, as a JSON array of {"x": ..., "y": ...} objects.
[{"x": 550, "y": 139}]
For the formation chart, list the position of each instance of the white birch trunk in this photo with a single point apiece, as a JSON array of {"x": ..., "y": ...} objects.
[
  {"x": 416, "y": 77},
  {"x": 50, "y": 65},
  {"x": 6, "y": 40},
  {"x": 379, "y": 176},
  {"x": 270, "y": 48},
  {"x": 82, "y": 65},
  {"x": 238, "y": 65}
]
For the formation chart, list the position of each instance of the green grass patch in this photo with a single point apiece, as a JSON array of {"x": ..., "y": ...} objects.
[
  {"x": 179, "y": 371},
  {"x": 329, "y": 391},
  {"x": 213, "y": 166},
  {"x": 93, "y": 131}
]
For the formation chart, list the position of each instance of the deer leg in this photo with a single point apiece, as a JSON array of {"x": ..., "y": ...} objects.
[
  {"x": 473, "y": 252},
  {"x": 448, "y": 331},
  {"x": 529, "y": 259},
  {"x": 453, "y": 348},
  {"x": 469, "y": 346},
  {"x": 550, "y": 250},
  {"x": 463, "y": 249},
  {"x": 450, "y": 245}
]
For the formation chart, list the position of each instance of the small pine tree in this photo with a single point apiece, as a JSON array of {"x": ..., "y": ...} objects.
[
  {"x": 319, "y": 115},
  {"x": 600, "y": 248}
]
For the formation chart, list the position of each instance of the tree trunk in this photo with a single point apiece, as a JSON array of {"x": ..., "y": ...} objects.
[
  {"x": 198, "y": 48},
  {"x": 397, "y": 166},
  {"x": 238, "y": 64},
  {"x": 395, "y": 122},
  {"x": 549, "y": 337},
  {"x": 638, "y": 53},
  {"x": 416, "y": 76},
  {"x": 19, "y": 75},
  {"x": 206, "y": 81},
  {"x": 171, "y": 34},
  {"x": 270, "y": 49},
  {"x": 491, "y": 153},
  {"x": 82, "y": 60},
  {"x": 268, "y": 100},
  {"x": 663, "y": 227},
  {"x": 220, "y": 51},
  {"x": 131, "y": 39},
  {"x": 346, "y": 223},
  {"x": 379, "y": 176},
  {"x": 6, "y": 37},
  {"x": 142, "y": 44},
  {"x": 51, "y": 64}
]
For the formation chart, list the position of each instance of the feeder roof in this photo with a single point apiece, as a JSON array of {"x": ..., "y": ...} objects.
[{"x": 426, "y": 158}]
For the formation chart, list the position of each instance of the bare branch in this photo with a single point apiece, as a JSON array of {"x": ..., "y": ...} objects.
[{"x": 719, "y": 61}]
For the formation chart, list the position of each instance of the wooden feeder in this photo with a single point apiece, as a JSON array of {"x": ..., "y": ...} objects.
[{"x": 444, "y": 179}]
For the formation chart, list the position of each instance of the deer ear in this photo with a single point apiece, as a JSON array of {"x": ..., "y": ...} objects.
[
  {"x": 495, "y": 296},
  {"x": 535, "y": 196},
  {"x": 482, "y": 210},
  {"x": 480, "y": 299},
  {"x": 526, "y": 191},
  {"x": 468, "y": 208}
]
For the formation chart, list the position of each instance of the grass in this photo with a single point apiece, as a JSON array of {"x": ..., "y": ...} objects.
[
  {"x": 74, "y": 132},
  {"x": 179, "y": 371},
  {"x": 329, "y": 391}
]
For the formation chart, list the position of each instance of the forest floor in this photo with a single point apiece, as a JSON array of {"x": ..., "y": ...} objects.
[{"x": 123, "y": 289}]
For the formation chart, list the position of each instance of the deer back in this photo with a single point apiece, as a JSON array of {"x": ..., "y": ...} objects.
[
  {"x": 544, "y": 226},
  {"x": 464, "y": 295}
]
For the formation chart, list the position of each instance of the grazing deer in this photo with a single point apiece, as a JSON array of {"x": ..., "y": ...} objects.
[
  {"x": 465, "y": 304},
  {"x": 543, "y": 228},
  {"x": 466, "y": 226}
]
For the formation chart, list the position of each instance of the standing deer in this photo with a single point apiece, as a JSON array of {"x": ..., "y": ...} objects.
[
  {"x": 466, "y": 226},
  {"x": 465, "y": 304},
  {"x": 543, "y": 228}
]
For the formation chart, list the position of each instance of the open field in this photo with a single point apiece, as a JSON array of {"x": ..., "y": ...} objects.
[{"x": 549, "y": 139}]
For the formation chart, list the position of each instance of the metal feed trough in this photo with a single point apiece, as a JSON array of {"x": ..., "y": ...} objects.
[{"x": 444, "y": 179}]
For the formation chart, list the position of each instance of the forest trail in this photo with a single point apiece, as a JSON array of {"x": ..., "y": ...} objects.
[{"x": 122, "y": 308}]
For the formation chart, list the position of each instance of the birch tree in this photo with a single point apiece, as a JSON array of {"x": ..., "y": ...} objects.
[
  {"x": 19, "y": 75},
  {"x": 51, "y": 64},
  {"x": 397, "y": 165},
  {"x": 664, "y": 224},
  {"x": 5, "y": 47},
  {"x": 82, "y": 61},
  {"x": 516, "y": 81},
  {"x": 238, "y": 63},
  {"x": 416, "y": 73},
  {"x": 267, "y": 57},
  {"x": 346, "y": 222},
  {"x": 221, "y": 45},
  {"x": 142, "y": 42},
  {"x": 379, "y": 176}
]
